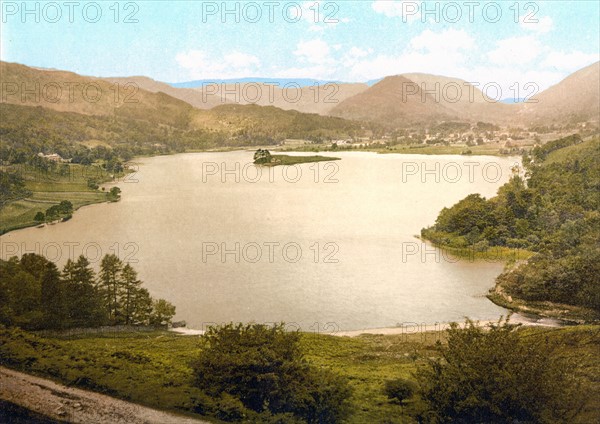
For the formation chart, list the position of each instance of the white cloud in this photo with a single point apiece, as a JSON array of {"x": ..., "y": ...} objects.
[
  {"x": 313, "y": 51},
  {"x": 569, "y": 62},
  {"x": 354, "y": 55},
  {"x": 442, "y": 53},
  {"x": 516, "y": 50},
  {"x": 543, "y": 25},
  {"x": 320, "y": 15},
  {"x": 238, "y": 59},
  {"x": 191, "y": 59},
  {"x": 409, "y": 11},
  {"x": 234, "y": 64},
  {"x": 444, "y": 41}
]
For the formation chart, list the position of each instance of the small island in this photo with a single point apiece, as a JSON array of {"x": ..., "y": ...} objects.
[{"x": 265, "y": 158}]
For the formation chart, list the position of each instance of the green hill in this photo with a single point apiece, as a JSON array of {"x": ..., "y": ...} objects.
[{"x": 554, "y": 213}]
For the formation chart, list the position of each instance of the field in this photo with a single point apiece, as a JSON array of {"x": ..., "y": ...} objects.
[
  {"x": 153, "y": 368},
  {"x": 50, "y": 188}
]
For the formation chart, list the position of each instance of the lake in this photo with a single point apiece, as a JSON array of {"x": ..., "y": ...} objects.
[{"x": 328, "y": 245}]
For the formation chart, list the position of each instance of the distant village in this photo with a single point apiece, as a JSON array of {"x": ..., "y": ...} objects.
[{"x": 511, "y": 140}]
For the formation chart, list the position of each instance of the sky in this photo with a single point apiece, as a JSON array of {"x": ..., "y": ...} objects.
[{"x": 510, "y": 43}]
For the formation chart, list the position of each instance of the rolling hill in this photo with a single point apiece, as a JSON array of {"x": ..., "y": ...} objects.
[
  {"x": 69, "y": 92},
  {"x": 394, "y": 101},
  {"x": 41, "y": 120},
  {"x": 308, "y": 99},
  {"x": 194, "y": 97},
  {"x": 576, "y": 97},
  {"x": 464, "y": 99}
]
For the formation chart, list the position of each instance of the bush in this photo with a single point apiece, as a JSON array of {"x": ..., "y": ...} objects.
[
  {"x": 263, "y": 367},
  {"x": 495, "y": 376},
  {"x": 399, "y": 389}
]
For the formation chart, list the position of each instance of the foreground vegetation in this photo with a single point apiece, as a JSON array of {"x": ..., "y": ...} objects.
[
  {"x": 505, "y": 366},
  {"x": 35, "y": 295},
  {"x": 552, "y": 212}
]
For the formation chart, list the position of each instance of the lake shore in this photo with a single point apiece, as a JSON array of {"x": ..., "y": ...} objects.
[{"x": 416, "y": 328}]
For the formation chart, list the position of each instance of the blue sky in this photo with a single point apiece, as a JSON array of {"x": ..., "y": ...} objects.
[{"x": 186, "y": 40}]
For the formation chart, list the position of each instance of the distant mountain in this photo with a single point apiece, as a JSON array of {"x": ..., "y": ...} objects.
[
  {"x": 320, "y": 98},
  {"x": 466, "y": 101},
  {"x": 281, "y": 82},
  {"x": 311, "y": 99},
  {"x": 391, "y": 102},
  {"x": 51, "y": 114},
  {"x": 195, "y": 98},
  {"x": 512, "y": 100},
  {"x": 394, "y": 101},
  {"x": 575, "y": 97},
  {"x": 412, "y": 98},
  {"x": 69, "y": 92}
]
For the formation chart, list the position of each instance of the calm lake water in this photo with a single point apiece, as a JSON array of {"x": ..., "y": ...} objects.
[{"x": 329, "y": 245}]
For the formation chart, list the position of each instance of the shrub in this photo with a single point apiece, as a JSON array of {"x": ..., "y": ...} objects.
[
  {"x": 495, "y": 376},
  {"x": 263, "y": 368},
  {"x": 399, "y": 389}
]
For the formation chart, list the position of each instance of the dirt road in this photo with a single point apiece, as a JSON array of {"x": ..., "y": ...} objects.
[{"x": 72, "y": 405}]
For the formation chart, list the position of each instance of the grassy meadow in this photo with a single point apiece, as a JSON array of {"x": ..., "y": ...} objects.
[
  {"x": 49, "y": 188},
  {"x": 154, "y": 368}
]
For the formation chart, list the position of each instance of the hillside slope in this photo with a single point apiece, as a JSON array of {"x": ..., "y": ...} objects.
[
  {"x": 394, "y": 101},
  {"x": 577, "y": 97}
]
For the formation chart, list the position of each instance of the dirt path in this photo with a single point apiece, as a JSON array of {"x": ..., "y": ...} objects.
[{"x": 72, "y": 405}]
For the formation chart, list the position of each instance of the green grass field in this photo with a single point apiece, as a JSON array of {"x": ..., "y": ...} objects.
[
  {"x": 50, "y": 188},
  {"x": 154, "y": 368}
]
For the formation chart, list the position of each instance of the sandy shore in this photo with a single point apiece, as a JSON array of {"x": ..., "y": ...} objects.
[
  {"x": 67, "y": 404},
  {"x": 410, "y": 328},
  {"x": 416, "y": 328}
]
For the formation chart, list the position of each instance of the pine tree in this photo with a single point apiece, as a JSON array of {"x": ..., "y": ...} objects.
[
  {"x": 84, "y": 304},
  {"x": 143, "y": 309},
  {"x": 52, "y": 302},
  {"x": 129, "y": 293},
  {"x": 109, "y": 284},
  {"x": 71, "y": 292}
]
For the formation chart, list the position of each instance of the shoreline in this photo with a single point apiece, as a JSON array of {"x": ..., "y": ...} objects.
[
  {"x": 417, "y": 328},
  {"x": 542, "y": 310}
]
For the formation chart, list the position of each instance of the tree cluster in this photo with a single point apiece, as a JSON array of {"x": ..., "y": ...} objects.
[
  {"x": 35, "y": 295},
  {"x": 262, "y": 156},
  {"x": 553, "y": 212},
  {"x": 63, "y": 210}
]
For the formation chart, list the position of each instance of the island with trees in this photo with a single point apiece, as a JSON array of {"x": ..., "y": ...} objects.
[{"x": 265, "y": 158}]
